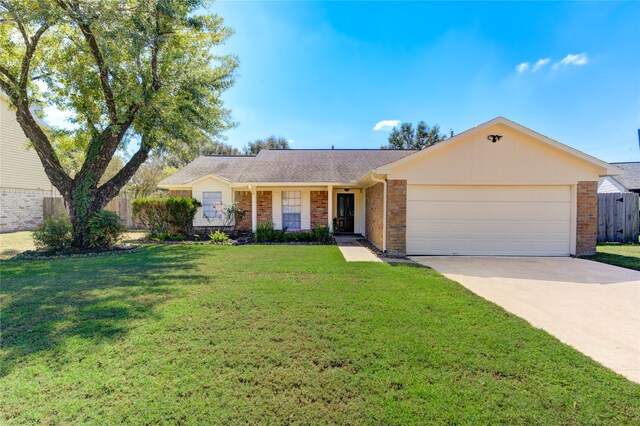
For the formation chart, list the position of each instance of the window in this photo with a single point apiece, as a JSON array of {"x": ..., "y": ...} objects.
[
  {"x": 291, "y": 208},
  {"x": 212, "y": 204}
]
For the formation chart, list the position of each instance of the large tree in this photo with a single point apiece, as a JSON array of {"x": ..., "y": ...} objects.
[
  {"x": 272, "y": 142},
  {"x": 135, "y": 74},
  {"x": 406, "y": 137}
]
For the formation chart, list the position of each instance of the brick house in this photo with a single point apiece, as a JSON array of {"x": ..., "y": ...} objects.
[
  {"x": 496, "y": 189},
  {"x": 23, "y": 182}
]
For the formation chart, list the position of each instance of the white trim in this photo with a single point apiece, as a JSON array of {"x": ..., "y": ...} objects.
[
  {"x": 330, "y": 207},
  {"x": 574, "y": 220},
  {"x": 287, "y": 184},
  {"x": 254, "y": 208},
  {"x": 609, "y": 169}
]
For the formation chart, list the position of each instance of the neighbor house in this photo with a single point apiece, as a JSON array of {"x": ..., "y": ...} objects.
[
  {"x": 627, "y": 181},
  {"x": 23, "y": 182},
  {"x": 496, "y": 189}
]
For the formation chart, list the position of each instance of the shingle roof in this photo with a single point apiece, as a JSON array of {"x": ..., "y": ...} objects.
[
  {"x": 288, "y": 165},
  {"x": 631, "y": 176}
]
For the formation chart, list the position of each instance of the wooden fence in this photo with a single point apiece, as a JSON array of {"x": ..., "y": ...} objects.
[
  {"x": 618, "y": 217},
  {"x": 120, "y": 205}
]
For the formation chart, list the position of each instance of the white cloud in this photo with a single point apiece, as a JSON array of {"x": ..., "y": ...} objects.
[
  {"x": 522, "y": 67},
  {"x": 386, "y": 124},
  {"x": 571, "y": 59},
  {"x": 541, "y": 63}
]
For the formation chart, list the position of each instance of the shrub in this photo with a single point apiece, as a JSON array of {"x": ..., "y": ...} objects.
[
  {"x": 233, "y": 215},
  {"x": 105, "y": 228},
  {"x": 218, "y": 237},
  {"x": 266, "y": 233},
  {"x": 173, "y": 214},
  {"x": 159, "y": 235},
  {"x": 54, "y": 234},
  {"x": 321, "y": 234}
]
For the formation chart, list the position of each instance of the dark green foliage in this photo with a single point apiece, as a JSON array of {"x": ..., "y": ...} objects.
[
  {"x": 321, "y": 234},
  {"x": 104, "y": 228},
  {"x": 272, "y": 142},
  {"x": 422, "y": 137},
  {"x": 266, "y": 233},
  {"x": 168, "y": 214},
  {"x": 54, "y": 234}
]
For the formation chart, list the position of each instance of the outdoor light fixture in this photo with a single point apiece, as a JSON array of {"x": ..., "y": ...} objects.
[
  {"x": 494, "y": 138},
  {"x": 346, "y": 189}
]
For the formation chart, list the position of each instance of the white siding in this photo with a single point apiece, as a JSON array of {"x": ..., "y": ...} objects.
[
  {"x": 206, "y": 185},
  {"x": 20, "y": 166},
  {"x": 489, "y": 220},
  {"x": 609, "y": 185}
]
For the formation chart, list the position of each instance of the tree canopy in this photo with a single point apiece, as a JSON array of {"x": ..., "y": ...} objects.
[
  {"x": 272, "y": 142},
  {"x": 406, "y": 137},
  {"x": 139, "y": 74}
]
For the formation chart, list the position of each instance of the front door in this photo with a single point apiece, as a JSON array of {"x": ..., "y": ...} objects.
[{"x": 344, "y": 213}]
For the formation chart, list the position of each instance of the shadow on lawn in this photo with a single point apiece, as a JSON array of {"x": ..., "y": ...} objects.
[{"x": 48, "y": 303}]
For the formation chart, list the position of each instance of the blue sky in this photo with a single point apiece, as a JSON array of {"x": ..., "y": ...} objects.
[{"x": 323, "y": 74}]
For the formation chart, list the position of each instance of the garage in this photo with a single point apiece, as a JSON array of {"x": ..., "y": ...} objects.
[{"x": 501, "y": 220}]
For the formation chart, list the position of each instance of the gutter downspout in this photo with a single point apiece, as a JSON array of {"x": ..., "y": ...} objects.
[{"x": 384, "y": 209}]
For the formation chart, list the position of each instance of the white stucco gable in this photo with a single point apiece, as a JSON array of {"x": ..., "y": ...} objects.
[{"x": 520, "y": 156}]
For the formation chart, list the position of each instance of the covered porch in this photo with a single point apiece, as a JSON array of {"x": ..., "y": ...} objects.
[{"x": 341, "y": 207}]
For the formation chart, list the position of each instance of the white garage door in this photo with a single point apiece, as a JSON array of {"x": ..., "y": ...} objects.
[{"x": 489, "y": 220}]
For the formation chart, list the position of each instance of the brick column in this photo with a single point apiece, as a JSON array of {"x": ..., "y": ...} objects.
[
  {"x": 243, "y": 200},
  {"x": 373, "y": 214},
  {"x": 397, "y": 217},
  {"x": 265, "y": 207},
  {"x": 319, "y": 208},
  {"x": 587, "y": 218}
]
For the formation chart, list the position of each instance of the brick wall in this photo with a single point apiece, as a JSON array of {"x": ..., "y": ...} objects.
[
  {"x": 180, "y": 192},
  {"x": 397, "y": 217},
  {"x": 243, "y": 200},
  {"x": 319, "y": 208},
  {"x": 373, "y": 214},
  {"x": 587, "y": 218},
  {"x": 265, "y": 207},
  {"x": 21, "y": 209}
]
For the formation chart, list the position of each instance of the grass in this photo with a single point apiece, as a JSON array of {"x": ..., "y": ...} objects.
[
  {"x": 14, "y": 243},
  {"x": 625, "y": 255},
  {"x": 280, "y": 334},
  {"x": 17, "y": 242}
]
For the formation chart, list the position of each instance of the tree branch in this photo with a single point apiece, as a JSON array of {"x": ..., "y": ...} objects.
[
  {"x": 31, "y": 50},
  {"x": 112, "y": 187},
  {"x": 42, "y": 146},
  {"x": 97, "y": 55}
]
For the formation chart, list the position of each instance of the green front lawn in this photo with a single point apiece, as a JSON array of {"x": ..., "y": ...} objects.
[
  {"x": 280, "y": 334},
  {"x": 625, "y": 255}
]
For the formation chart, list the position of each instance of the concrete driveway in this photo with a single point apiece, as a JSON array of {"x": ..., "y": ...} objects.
[{"x": 591, "y": 306}]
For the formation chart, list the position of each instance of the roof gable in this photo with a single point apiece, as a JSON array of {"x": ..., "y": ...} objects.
[
  {"x": 630, "y": 176},
  {"x": 608, "y": 169}
]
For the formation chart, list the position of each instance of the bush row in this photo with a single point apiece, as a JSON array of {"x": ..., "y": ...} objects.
[
  {"x": 267, "y": 233},
  {"x": 168, "y": 214},
  {"x": 105, "y": 228}
]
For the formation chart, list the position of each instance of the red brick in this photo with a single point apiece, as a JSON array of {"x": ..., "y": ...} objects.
[
  {"x": 319, "y": 208},
  {"x": 243, "y": 201},
  {"x": 587, "y": 218}
]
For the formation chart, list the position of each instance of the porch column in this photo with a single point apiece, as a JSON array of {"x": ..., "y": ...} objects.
[
  {"x": 330, "y": 207},
  {"x": 254, "y": 209}
]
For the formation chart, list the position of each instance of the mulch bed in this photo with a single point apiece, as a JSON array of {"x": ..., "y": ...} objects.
[
  {"x": 366, "y": 243},
  {"x": 78, "y": 253}
]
